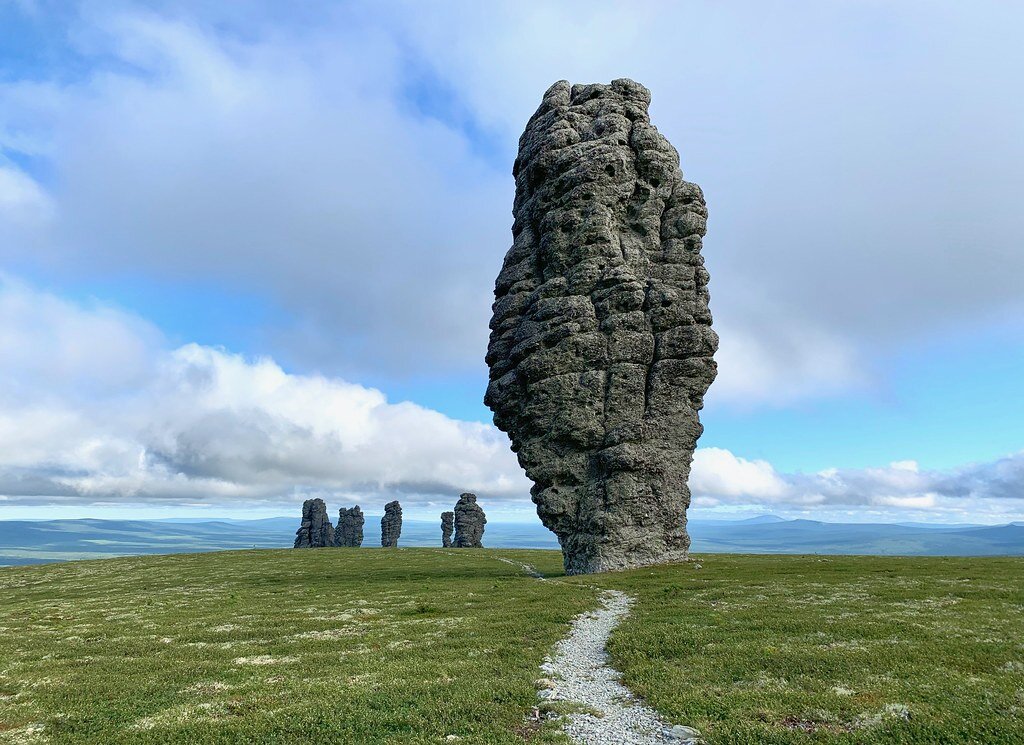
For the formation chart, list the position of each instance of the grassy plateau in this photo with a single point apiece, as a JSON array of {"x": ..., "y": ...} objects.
[{"x": 434, "y": 646}]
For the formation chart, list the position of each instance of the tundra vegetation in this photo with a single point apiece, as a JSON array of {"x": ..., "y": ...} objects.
[{"x": 428, "y": 645}]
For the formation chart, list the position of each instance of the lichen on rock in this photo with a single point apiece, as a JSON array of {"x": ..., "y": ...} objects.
[{"x": 601, "y": 345}]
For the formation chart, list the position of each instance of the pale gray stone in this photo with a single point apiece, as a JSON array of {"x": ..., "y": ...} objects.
[
  {"x": 601, "y": 345},
  {"x": 680, "y": 732}
]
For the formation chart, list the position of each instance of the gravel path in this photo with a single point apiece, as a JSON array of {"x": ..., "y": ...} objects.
[
  {"x": 580, "y": 673},
  {"x": 528, "y": 568}
]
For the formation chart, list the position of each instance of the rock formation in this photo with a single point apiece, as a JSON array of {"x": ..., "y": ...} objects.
[
  {"x": 316, "y": 530},
  {"x": 349, "y": 532},
  {"x": 447, "y": 524},
  {"x": 391, "y": 525},
  {"x": 601, "y": 344},
  {"x": 469, "y": 522}
]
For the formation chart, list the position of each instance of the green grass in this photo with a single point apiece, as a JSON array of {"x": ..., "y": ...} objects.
[
  {"x": 809, "y": 649},
  {"x": 414, "y": 645},
  {"x": 286, "y": 646}
]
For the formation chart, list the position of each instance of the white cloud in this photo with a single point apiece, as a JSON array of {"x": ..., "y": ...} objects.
[
  {"x": 51, "y": 347},
  {"x": 285, "y": 167},
  {"x": 301, "y": 157},
  {"x": 784, "y": 363},
  {"x": 202, "y": 425},
  {"x": 95, "y": 409},
  {"x": 720, "y": 478},
  {"x": 23, "y": 203},
  {"x": 718, "y": 474}
]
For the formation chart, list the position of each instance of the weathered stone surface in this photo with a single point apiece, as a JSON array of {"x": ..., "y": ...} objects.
[
  {"x": 391, "y": 524},
  {"x": 447, "y": 525},
  {"x": 316, "y": 530},
  {"x": 469, "y": 522},
  {"x": 601, "y": 344},
  {"x": 349, "y": 532}
]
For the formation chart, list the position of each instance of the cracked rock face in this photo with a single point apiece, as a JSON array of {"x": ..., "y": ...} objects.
[
  {"x": 447, "y": 525},
  {"x": 601, "y": 345},
  {"x": 316, "y": 530},
  {"x": 469, "y": 522},
  {"x": 391, "y": 525},
  {"x": 349, "y": 532}
]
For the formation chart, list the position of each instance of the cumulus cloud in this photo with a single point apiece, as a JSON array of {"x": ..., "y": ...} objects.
[
  {"x": 26, "y": 210},
  {"x": 201, "y": 425},
  {"x": 721, "y": 478},
  {"x": 96, "y": 409},
  {"x": 52, "y": 347},
  {"x": 857, "y": 199},
  {"x": 767, "y": 361},
  {"x": 350, "y": 163},
  {"x": 718, "y": 474},
  {"x": 286, "y": 167}
]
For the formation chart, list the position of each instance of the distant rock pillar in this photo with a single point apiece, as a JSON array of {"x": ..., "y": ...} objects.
[
  {"x": 391, "y": 525},
  {"x": 349, "y": 532},
  {"x": 469, "y": 522},
  {"x": 447, "y": 525},
  {"x": 316, "y": 530}
]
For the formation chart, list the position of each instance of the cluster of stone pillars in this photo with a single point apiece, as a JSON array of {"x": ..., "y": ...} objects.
[
  {"x": 316, "y": 531},
  {"x": 468, "y": 522}
]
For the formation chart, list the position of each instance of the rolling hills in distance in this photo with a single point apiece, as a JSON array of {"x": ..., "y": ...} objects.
[{"x": 43, "y": 541}]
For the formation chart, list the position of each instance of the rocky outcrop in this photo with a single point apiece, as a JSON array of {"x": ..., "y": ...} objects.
[
  {"x": 316, "y": 530},
  {"x": 601, "y": 345},
  {"x": 447, "y": 525},
  {"x": 391, "y": 525},
  {"x": 349, "y": 532},
  {"x": 469, "y": 522}
]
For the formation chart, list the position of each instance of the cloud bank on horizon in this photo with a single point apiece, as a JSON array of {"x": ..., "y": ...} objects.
[
  {"x": 347, "y": 165},
  {"x": 100, "y": 410}
]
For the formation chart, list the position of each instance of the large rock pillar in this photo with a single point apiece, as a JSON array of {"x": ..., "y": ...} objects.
[
  {"x": 601, "y": 345},
  {"x": 469, "y": 522},
  {"x": 315, "y": 530},
  {"x": 349, "y": 532}
]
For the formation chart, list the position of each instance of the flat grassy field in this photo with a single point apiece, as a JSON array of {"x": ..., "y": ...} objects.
[
  {"x": 417, "y": 645},
  {"x": 788, "y": 649}
]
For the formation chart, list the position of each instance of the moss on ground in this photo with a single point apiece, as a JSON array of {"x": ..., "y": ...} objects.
[{"x": 416, "y": 645}]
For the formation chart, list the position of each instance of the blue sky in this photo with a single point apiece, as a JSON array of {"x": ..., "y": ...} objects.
[{"x": 199, "y": 203}]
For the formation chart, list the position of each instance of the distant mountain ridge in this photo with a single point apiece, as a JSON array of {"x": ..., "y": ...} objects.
[{"x": 42, "y": 541}]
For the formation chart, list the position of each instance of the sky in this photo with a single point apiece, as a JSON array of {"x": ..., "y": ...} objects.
[{"x": 247, "y": 254}]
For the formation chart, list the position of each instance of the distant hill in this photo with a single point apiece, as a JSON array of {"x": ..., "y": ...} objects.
[
  {"x": 813, "y": 537},
  {"x": 34, "y": 542}
]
